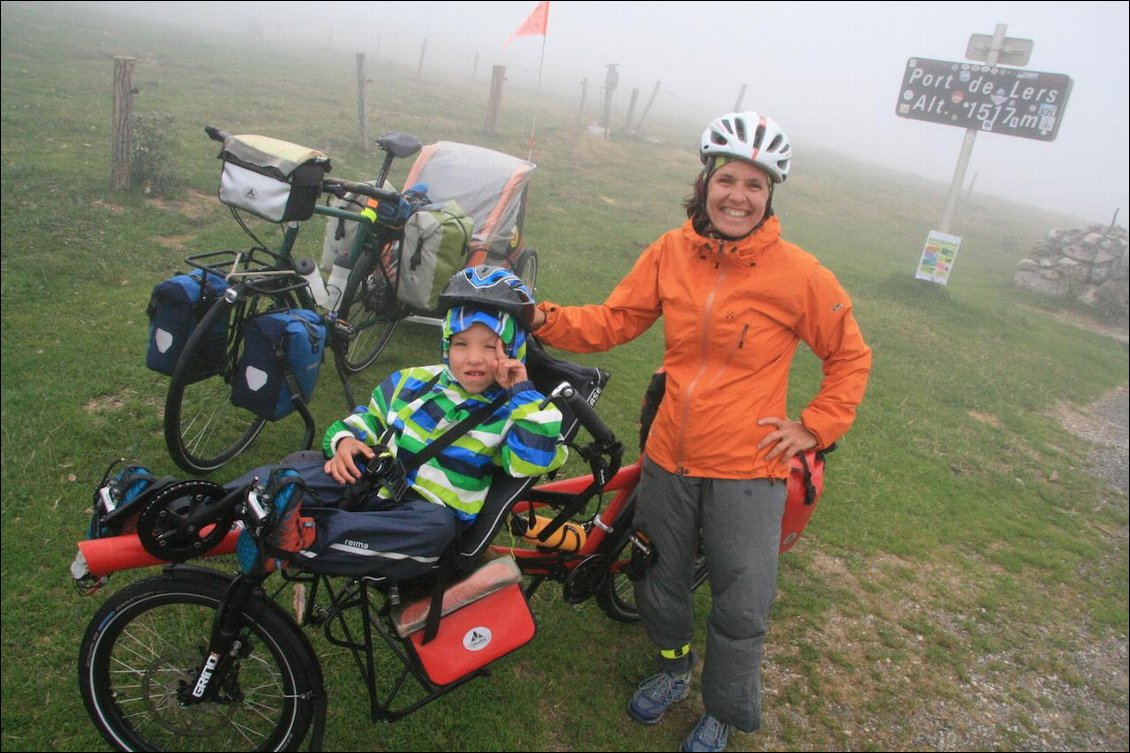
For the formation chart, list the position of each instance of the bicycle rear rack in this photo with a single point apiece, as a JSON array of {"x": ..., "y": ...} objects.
[{"x": 262, "y": 270}]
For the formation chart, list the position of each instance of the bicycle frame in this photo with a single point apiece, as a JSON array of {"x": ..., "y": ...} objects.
[
  {"x": 545, "y": 562},
  {"x": 106, "y": 556}
]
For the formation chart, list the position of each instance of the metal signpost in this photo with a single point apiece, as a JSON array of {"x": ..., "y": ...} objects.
[{"x": 988, "y": 97}]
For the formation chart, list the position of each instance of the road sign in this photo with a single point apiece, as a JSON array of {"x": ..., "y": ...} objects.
[
  {"x": 993, "y": 98},
  {"x": 1013, "y": 51}
]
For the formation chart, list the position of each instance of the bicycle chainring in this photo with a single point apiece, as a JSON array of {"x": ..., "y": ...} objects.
[
  {"x": 185, "y": 520},
  {"x": 585, "y": 578}
]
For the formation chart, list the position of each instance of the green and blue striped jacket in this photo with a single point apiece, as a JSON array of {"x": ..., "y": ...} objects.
[{"x": 520, "y": 437}]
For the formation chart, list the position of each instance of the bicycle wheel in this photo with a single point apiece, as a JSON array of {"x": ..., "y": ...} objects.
[
  {"x": 203, "y": 430},
  {"x": 616, "y": 594},
  {"x": 527, "y": 268},
  {"x": 373, "y": 312},
  {"x": 148, "y": 642}
]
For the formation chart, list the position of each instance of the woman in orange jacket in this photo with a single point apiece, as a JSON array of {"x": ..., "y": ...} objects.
[{"x": 736, "y": 299}]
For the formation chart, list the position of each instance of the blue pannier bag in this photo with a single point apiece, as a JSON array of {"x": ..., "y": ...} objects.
[
  {"x": 176, "y": 306},
  {"x": 282, "y": 355}
]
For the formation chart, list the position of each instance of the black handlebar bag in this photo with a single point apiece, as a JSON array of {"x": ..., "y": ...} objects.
[{"x": 271, "y": 178}]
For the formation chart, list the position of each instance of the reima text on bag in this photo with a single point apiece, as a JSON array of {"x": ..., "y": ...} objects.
[{"x": 271, "y": 178}]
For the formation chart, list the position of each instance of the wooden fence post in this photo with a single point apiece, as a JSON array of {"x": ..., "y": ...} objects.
[
  {"x": 584, "y": 94},
  {"x": 420, "y": 66},
  {"x": 631, "y": 107},
  {"x": 498, "y": 75},
  {"x": 611, "y": 80},
  {"x": 123, "y": 123},
  {"x": 647, "y": 107},
  {"x": 362, "y": 109}
]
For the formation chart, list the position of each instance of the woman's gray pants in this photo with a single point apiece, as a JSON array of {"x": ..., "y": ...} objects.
[{"x": 740, "y": 523}]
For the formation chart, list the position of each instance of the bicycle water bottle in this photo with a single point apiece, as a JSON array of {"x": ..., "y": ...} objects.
[
  {"x": 568, "y": 538},
  {"x": 309, "y": 271},
  {"x": 339, "y": 276}
]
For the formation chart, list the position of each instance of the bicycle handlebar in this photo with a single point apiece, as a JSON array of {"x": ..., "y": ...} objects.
[
  {"x": 340, "y": 187},
  {"x": 584, "y": 413},
  {"x": 216, "y": 134}
]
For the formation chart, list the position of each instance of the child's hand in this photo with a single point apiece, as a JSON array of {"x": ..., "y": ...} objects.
[
  {"x": 507, "y": 371},
  {"x": 342, "y": 466}
]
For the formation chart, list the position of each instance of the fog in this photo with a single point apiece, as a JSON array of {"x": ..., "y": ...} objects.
[{"x": 829, "y": 73}]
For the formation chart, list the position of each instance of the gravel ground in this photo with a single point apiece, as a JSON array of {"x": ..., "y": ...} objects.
[{"x": 1105, "y": 424}]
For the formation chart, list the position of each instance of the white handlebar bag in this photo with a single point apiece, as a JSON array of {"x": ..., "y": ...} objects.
[{"x": 273, "y": 179}]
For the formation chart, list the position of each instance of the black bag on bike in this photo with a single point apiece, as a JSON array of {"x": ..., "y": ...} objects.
[
  {"x": 271, "y": 178},
  {"x": 282, "y": 355},
  {"x": 176, "y": 306}
]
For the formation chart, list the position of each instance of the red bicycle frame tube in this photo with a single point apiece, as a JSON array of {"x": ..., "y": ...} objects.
[{"x": 113, "y": 553}]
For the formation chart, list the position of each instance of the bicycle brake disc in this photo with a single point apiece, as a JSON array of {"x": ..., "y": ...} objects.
[
  {"x": 582, "y": 582},
  {"x": 185, "y": 520}
]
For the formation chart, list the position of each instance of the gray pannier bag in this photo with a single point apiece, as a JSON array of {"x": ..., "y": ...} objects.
[
  {"x": 435, "y": 245},
  {"x": 273, "y": 179}
]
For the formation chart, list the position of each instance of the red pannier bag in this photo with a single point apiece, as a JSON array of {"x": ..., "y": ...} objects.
[
  {"x": 483, "y": 618},
  {"x": 805, "y": 485}
]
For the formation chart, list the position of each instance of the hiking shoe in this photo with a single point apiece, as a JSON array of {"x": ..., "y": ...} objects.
[
  {"x": 287, "y": 534},
  {"x": 708, "y": 735},
  {"x": 656, "y": 693}
]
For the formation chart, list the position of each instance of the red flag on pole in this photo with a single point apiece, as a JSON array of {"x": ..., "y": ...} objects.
[{"x": 534, "y": 25}]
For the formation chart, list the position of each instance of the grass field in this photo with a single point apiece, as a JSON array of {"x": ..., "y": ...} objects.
[{"x": 950, "y": 592}]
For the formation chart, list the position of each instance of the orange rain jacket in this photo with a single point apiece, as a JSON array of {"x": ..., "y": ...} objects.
[{"x": 733, "y": 313}]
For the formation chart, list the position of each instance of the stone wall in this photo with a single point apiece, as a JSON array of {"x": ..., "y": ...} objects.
[{"x": 1086, "y": 264}]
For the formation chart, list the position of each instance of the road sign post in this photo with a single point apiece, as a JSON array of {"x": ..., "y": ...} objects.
[{"x": 987, "y": 97}]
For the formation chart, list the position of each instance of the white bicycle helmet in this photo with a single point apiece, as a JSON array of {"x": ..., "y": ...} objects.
[{"x": 750, "y": 137}]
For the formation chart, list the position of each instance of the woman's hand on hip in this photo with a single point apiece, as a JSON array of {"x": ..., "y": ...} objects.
[{"x": 787, "y": 439}]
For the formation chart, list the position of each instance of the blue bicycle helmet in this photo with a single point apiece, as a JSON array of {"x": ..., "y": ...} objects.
[{"x": 489, "y": 287}]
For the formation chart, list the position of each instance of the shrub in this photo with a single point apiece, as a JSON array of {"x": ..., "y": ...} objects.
[{"x": 150, "y": 165}]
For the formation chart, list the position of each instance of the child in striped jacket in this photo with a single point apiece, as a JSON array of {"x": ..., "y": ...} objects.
[{"x": 402, "y": 535}]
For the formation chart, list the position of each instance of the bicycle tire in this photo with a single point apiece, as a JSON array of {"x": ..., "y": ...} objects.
[
  {"x": 373, "y": 312},
  {"x": 527, "y": 268},
  {"x": 616, "y": 593},
  {"x": 203, "y": 429},
  {"x": 150, "y": 638}
]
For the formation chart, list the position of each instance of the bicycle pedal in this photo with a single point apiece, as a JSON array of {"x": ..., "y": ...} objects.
[{"x": 343, "y": 330}]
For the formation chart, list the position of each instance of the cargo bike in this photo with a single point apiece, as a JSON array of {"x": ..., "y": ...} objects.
[{"x": 198, "y": 658}]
